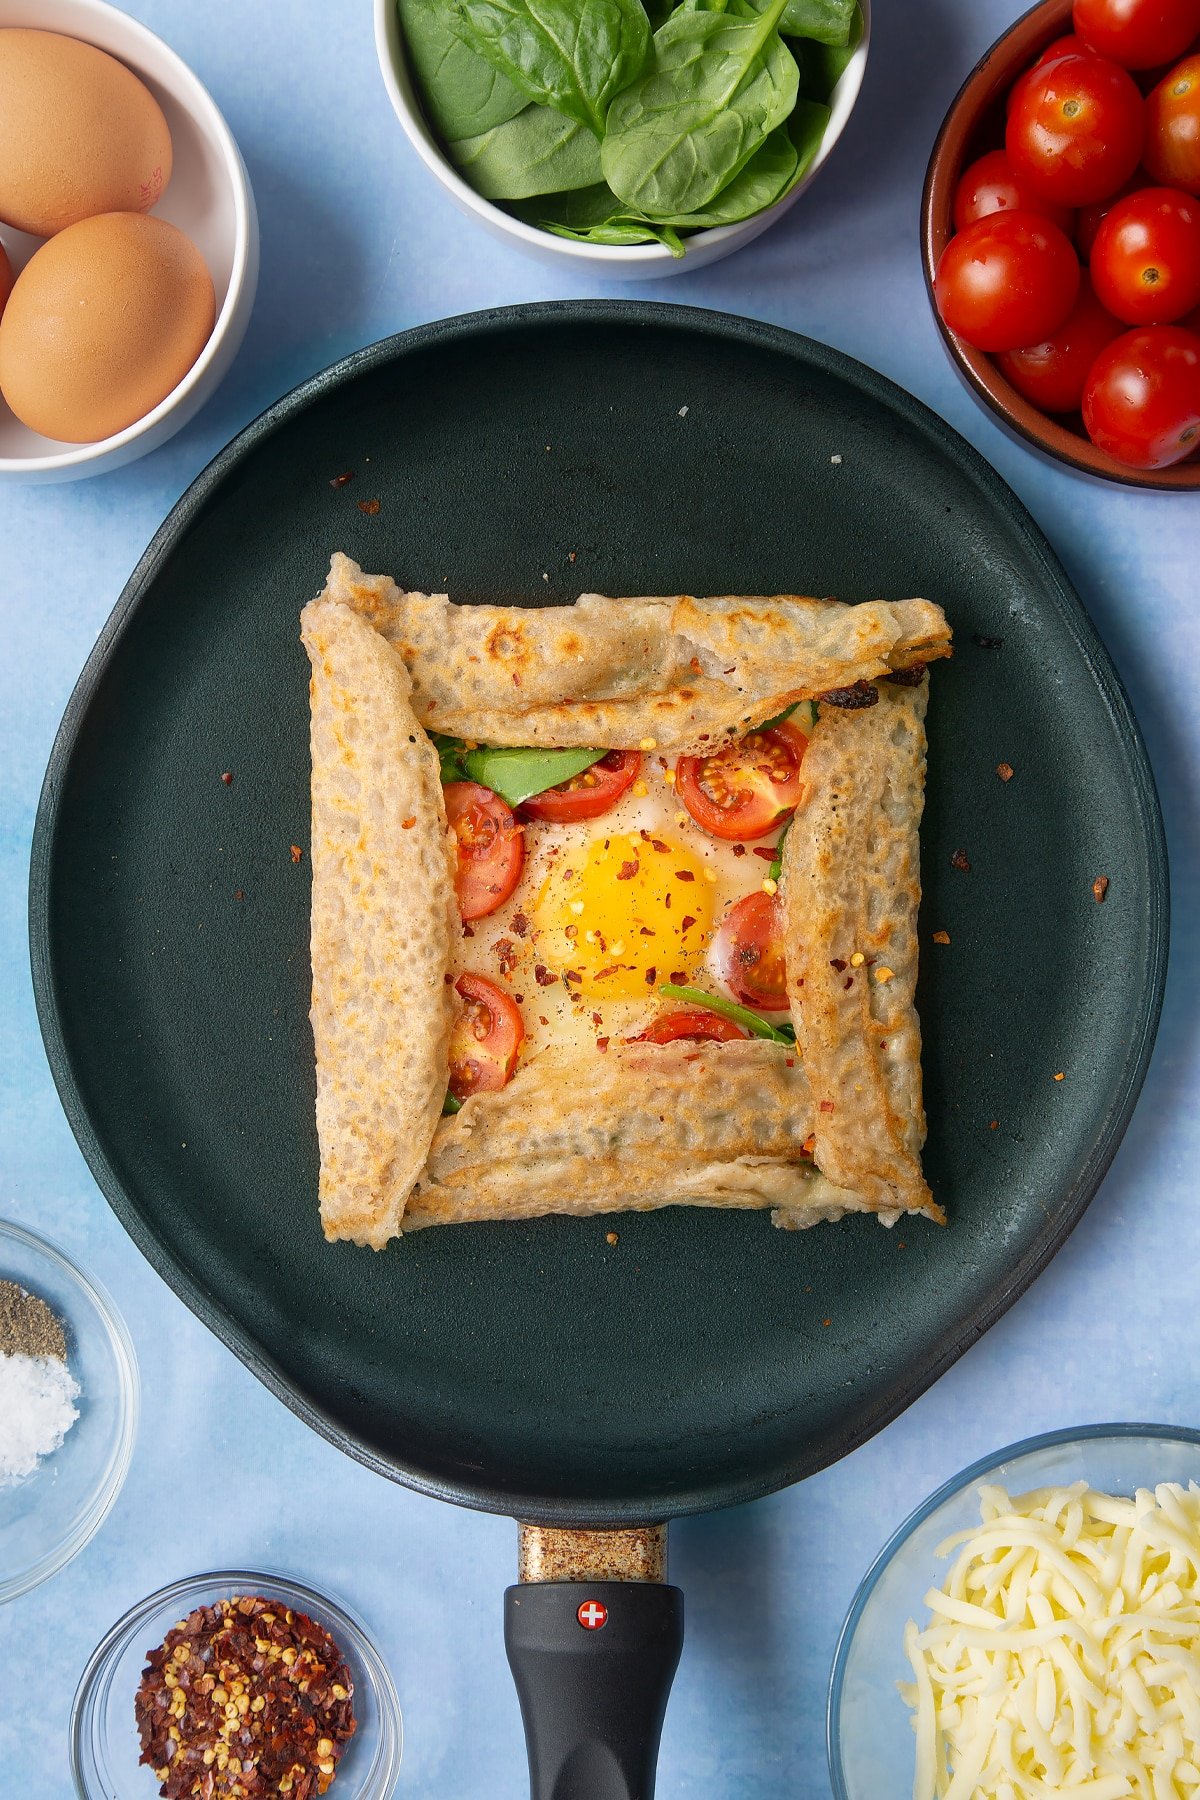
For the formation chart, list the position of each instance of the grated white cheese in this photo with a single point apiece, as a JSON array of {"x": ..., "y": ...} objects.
[
  {"x": 1062, "y": 1657},
  {"x": 37, "y": 1395}
]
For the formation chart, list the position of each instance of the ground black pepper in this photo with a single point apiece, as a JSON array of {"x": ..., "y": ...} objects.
[{"x": 27, "y": 1325}]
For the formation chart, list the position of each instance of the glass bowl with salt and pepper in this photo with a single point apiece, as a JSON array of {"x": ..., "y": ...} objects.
[{"x": 68, "y": 1408}]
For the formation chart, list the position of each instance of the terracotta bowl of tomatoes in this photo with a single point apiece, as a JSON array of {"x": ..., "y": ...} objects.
[{"x": 1060, "y": 227}]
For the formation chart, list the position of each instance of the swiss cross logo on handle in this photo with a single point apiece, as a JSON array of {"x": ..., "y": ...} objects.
[{"x": 592, "y": 1615}]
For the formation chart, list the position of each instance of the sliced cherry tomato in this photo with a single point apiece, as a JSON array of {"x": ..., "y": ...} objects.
[
  {"x": 1146, "y": 257},
  {"x": 747, "y": 787},
  {"x": 1053, "y": 374},
  {"x": 747, "y": 953},
  {"x": 1075, "y": 130},
  {"x": 1142, "y": 400},
  {"x": 588, "y": 795},
  {"x": 1173, "y": 127},
  {"x": 487, "y": 1035},
  {"x": 1089, "y": 219},
  {"x": 491, "y": 847},
  {"x": 1061, "y": 46},
  {"x": 989, "y": 186},
  {"x": 1139, "y": 34},
  {"x": 691, "y": 1022},
  {"x": 1007, "y": 280}
]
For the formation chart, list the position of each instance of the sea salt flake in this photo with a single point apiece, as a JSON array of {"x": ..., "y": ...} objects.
[{"x": 37, "y": 1396}]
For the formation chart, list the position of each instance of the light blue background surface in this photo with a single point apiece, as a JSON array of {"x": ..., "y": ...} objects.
[{"x": 358, "y": 242}]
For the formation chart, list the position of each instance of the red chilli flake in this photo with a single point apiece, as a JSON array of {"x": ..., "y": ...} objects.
[
  {"x": 370, "y": 507},
  {"x": 825, "y": 1106},
  {"x": 244, "y": 1699},
  {"x": 602, "y": 1043},
  {"x": 740, "y": 850},
  {"x": 684, "y": 875},
  {"x": 543, "y": 976},
  {"x": 628, "y": 870},
  {"x": 520, "y": 924},
  {"x": 767, "y": 855},
  {"x": 959, "y": 860},
  {"x": 339, "y": 481},
  {"x": 297, "y": 853},
  {"x": 227, "y": 778},
  {"x": 686, "y": 923}
]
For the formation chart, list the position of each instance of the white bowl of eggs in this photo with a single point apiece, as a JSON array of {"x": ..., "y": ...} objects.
[{"x": 128, "y": 240}]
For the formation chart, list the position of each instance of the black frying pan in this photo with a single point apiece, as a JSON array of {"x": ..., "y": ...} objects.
[{"x": 538, "y": 1369}]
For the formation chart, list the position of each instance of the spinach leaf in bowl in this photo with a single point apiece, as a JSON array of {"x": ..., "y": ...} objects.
[
  {"x": 461, "y": 94},
  {"x": 768, "y": 175},
  {"x": 594, "y": 215},
  {"x": 822, "y": 21},
  {"x": 716, "y": 87},
  {"x": 541, "y": 151},
  {"x": 570, "y": 54}
]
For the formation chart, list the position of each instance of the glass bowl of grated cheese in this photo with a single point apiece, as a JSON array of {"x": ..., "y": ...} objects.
[
  {"x": 1032, "y": 1629},
  {"x": 68, "y": 1408}
]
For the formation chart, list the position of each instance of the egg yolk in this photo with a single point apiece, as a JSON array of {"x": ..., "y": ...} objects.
[{"x": 624, "y": 914}]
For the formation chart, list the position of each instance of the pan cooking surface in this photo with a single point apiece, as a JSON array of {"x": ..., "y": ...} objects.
[{"x": 527, "y": 455}]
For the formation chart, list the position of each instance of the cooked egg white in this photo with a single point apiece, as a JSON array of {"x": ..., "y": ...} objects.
[{"x": 606, "y": 909}]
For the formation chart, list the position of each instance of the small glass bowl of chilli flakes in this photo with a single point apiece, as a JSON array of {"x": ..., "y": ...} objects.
[{"x": 237, "y": 1685}]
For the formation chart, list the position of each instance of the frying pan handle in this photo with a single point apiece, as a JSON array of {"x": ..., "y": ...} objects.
[{"x": 593, "y": 1662}]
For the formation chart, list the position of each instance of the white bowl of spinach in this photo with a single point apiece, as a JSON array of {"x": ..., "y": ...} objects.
[{"x": 651, "y": 137}]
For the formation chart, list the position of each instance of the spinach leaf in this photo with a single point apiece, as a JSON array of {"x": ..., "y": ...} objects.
[
  {"x": 450, "y": 754},
  {"x": 595, "y": 216},
  {"x": 716, "y": 88},
  {"x": 806, "y": 128},
  {"x": 626, "y": 230},
  {"x": 822, "y": 66},
  {"x": 573, "y": 55},
  {"x": 538, "y": 152},
  {"x": 741, "y": 1015},
  {"x": 519, "y": 774},
  {"x": 769, "y": 173},
  {"x": 460, "y": 92},
  {"x": 776, "y": 868},
  {"x": 824, "y": 21}
]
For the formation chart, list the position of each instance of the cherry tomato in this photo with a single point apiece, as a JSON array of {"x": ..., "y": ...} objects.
[
  {"x": 1075, "y": 130},
  {"x": 989, "y": 186},
  {"x": 1089, "y": 219},
  {"x": 691, "y": 1022},
  {"x": 491, "y": 847},
  {"x": 588, "y": 795},
  {"x": 747, "y": 952},
  {"x": 1146, "y": 257},
  {"x": 1173, "y": 127},
  {"x": 1009, "y": 279},
  {"x": 1142, "y": 400},
  {"x": 1062, "y": 46},
  {"x": 1139, "y": 34},
  {"x": 485, "y": 1040},
  {"x": 747, "y": 787},
  {"x": 1053, "y": 374}
]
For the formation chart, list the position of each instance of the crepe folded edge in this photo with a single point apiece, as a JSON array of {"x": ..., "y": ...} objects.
[
  {"x": 639, "y": 1127},
  {"x": 679, "y": 670},
  {"x": 383, "y": 920},
  {"x": 850, "y": 890}
]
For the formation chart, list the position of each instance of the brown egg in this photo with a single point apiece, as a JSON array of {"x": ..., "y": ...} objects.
[
  {"x": 79, "y": 134},
  {"x": 6, "y": 278},
  {"x": 102, "y": 323}
]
